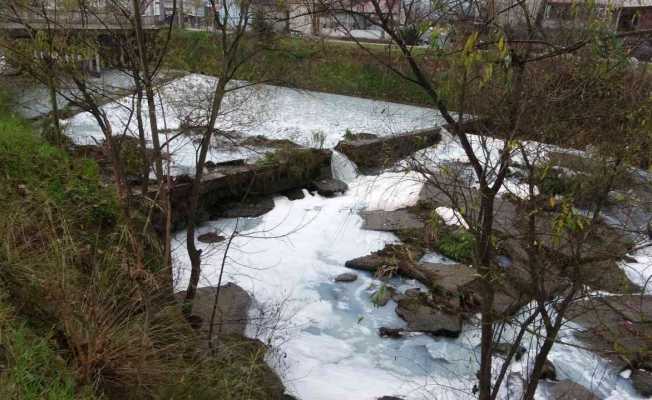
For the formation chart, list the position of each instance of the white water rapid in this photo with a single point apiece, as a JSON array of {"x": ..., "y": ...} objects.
[
  {"x": 342, "y": 168},
  {"x": 326, "y": 332}
]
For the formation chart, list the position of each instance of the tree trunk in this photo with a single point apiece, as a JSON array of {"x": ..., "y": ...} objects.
[
  {"x": 193, "y": 252},
  {"x": 144, "y": 185},
  {"x": 54, "y": 114},
  {"x": 164, "y": 196},
  {"x": 483, "y": 258}
]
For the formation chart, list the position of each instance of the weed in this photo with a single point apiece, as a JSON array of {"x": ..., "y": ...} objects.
[{"x": 457, "y": 245}]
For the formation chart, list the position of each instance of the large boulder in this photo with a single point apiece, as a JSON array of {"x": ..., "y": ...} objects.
[
  {"x": 330, "y": 187},
  {"x": 642, "y": 381},
  {"x": 422, "y": 315},
  {"x": 451, "y": 278},
  {"x": 231, "y": 313},
  {"x": 569, "y": 390},
  {"x": 390, "y": 221},
  {"x": 383, "y": 151},
  {"x": 616, "y": 322},
  {"x": 294, "y": 194}
]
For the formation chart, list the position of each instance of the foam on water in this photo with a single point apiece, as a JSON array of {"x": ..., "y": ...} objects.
[
  {"x": 640, "y": 270},
  {"x": 342, "y": 168},
  {"x": 308, "y": 118},
  {"x": 326, "y": 336},
  {"x": 327, "y": 341}
]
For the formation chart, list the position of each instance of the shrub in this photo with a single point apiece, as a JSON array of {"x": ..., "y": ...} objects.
[
  {"x": 410, "y": 35},
  {"x": 457, "y": 245}
]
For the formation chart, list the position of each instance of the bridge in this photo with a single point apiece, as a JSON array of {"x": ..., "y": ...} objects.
[{"x": 24, "y": 20}]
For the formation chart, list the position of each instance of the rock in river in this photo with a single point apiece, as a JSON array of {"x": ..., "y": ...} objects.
[
  {"x": 504, "y": 348},
  {"x": 251, "y": 208},
  {"x": 390, "y": 255},
  {"x": 390, "y": 221},
  {"x": 549, "y": 371},
  {"x": 232, "y": 308},
  {"x": 346, "y": 277},
  {"x": 210, "y": 237},
  {"x": 642, "y": 381},
  {"x": 394, "y": 333},
  {"x": 422, "y": 316},
  {"x": 569, "y": 390},
  {"x": 330, "y": 187}
]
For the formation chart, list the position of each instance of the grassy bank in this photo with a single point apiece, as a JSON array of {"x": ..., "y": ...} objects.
[
  {"x": 333, "y": 67},
  {"x": 78, "y": 320}
]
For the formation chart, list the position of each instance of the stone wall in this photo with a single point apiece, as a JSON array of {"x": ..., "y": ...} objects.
[{"x": 236, "y": 183}]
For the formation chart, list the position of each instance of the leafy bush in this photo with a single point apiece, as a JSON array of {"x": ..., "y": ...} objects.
[
  {"x": 457, "y": 245},
  {"x": 410, "y": 35}
]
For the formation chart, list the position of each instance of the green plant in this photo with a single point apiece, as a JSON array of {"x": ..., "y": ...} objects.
[
  {"x": 31, "y": 368},
  {"x": 379, "y": 295},
  {"x": 457, "y": 245},
  {"x": 318, "y": 139},
  {"x": 411, "y": 34},
  {"x": 332, "y": 67}
]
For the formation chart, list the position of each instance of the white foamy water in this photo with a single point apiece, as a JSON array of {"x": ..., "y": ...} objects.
[
  {"x": 327, "y": 341},
  {"x": 308, "y": 118},
  {"x": 640, "y": 271},
  {"x": 328, "y": 347},
  {"x": 342, "y": 168}
]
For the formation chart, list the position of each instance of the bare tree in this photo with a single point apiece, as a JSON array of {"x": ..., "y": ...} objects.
[
  {"x": 493, "y": 69},
  {"x": 237, "y": 44}
]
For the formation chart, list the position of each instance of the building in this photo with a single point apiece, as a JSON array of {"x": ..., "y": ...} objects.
[
  {"x": 102, "y": 13},
  {"x": 623, "y": 15}
]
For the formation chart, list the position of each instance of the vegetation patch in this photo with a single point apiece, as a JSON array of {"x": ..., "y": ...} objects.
[
  {"x": 457, "y": 245},
  {"x": 80, "y": 318},
  {"x": 332, "y": 67},
  {"x": 30, "y": 366}
]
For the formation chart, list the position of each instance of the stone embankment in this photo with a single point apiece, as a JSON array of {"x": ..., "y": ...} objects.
[{"x": 240, "y": 189}]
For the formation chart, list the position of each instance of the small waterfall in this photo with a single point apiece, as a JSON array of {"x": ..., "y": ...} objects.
[{"x": 342, "y": 168}]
